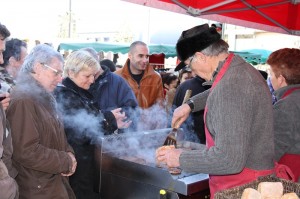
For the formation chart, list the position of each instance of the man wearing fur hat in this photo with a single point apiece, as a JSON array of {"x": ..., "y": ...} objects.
[{"x": 237, "y": 114}]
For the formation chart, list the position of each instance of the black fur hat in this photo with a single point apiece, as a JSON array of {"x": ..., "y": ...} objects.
[
  {"x": 180, "y": 66},
  {"x": 195, "y": 39}
]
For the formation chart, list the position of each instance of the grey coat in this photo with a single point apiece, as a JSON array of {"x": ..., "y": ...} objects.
[
  {"x": 240, "y": 120},
  {"x": 286, "y": 122}
]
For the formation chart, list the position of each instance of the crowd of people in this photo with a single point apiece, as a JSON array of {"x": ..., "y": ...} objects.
[{"x": 54, "y": 109}]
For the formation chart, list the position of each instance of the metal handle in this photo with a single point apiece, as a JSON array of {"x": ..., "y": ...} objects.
[{"x": 187, "y": 96}]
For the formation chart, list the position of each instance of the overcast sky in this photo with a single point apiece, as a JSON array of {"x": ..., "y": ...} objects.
[{"x": 39, "y": 19}]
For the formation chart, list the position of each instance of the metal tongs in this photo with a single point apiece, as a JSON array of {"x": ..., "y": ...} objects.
[{"x": 172, "y": 136}]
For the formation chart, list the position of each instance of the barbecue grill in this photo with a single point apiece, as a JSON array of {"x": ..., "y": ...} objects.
[{"x": 128, "y": 170}]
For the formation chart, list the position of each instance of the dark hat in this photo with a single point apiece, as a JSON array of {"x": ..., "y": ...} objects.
[
  {"x": 108, "y": 63},
  {"x": 180, "y": 66},
  {"x": 194, "y": 40}
]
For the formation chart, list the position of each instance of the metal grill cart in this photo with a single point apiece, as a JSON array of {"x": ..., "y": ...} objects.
[{"x": 128, "y": 170}]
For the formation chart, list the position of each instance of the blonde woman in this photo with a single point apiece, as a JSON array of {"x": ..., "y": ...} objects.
[{"x": 83, "y": 121}]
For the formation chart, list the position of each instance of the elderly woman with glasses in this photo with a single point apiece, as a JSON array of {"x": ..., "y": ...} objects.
[
  {"x": 84, "y": 122},
  {"x": 42, "y": 155}
]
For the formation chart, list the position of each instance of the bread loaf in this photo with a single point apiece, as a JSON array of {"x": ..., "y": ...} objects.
[
  {"x": 250, "y": 193},
  {"x": 290, "y": 196},
  {"x": 270, "y": 190}
]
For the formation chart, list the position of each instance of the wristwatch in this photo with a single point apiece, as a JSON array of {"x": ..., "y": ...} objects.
[{"x": 190, "y": 102}]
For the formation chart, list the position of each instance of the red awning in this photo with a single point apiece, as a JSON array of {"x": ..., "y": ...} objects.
[
  {"x": 157, "y": 61},
  {"x": 282, "y": 16}
]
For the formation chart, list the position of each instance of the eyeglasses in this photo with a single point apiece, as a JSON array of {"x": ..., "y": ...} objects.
[
  {"x": 191, "y": 60},
  {"x": 56, "y": 72}
]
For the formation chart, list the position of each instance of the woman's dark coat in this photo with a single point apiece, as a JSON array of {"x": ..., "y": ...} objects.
[{"x": 84, "y": 124}]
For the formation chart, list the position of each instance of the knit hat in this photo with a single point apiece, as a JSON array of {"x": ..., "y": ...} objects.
[{"x": 194, "y": 40}]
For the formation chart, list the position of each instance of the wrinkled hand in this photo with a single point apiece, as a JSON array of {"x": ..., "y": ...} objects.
[
  {"x": 6, "y": 100},
  {"x": 121, "y": 118},
  {"x": 180, "y": 115},
  {"x": 74, "y": 165},
  {"x": 169, "y": 156}
]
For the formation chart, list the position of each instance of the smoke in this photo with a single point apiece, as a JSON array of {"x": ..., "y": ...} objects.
[
  {"x": 85, "y": 123},
  {"x": 148, "y": 131},
  {"x": 154, "y": 117},
  {"x": 141, "y": 144}
]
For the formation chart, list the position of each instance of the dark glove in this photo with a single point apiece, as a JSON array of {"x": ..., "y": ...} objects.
[{"x": 109, "y": 123}]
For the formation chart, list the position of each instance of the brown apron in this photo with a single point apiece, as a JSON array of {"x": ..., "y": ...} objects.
[{"x": 221, "y": 182}]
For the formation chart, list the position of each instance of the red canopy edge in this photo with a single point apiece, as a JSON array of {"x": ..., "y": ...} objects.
[{"x": 281, "y": 16}]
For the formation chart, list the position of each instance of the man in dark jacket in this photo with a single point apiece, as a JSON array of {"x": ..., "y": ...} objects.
[
  {"x": 112, "y": 91},
  {"x": 194, "y": 125}
]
